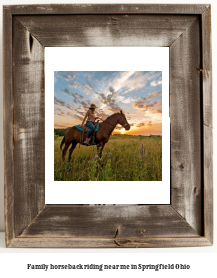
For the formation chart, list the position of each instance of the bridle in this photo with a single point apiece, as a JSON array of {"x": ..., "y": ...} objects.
[{"x": 125, "y": 125}]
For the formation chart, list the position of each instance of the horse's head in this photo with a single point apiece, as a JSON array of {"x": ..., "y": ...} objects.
[{"x": 123, "y": 121}]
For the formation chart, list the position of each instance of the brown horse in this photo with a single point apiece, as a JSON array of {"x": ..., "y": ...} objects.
[{"x": 73, "y": 135}]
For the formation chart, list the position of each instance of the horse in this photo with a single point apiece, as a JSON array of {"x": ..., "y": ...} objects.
[{"x": 73, "y": 135}]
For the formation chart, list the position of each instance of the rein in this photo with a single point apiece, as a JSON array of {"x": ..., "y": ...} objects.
[
  {"x": 111, "y": 124},
  {"x": 106, "y": 122}
]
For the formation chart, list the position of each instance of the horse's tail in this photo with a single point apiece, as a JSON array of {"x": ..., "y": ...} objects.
[{"x": 63, "y": 141}]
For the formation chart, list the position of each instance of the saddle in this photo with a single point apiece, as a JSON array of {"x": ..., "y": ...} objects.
[{"x": 85, "y": 130}]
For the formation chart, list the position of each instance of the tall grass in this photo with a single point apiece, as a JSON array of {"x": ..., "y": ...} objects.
[{"x": 130, "y": 158}]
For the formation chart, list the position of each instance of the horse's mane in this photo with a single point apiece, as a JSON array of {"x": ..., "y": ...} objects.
[{"x": 112, "y": 115}]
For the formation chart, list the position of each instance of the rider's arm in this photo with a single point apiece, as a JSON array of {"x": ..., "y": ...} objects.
[{"x": 85, "y": 117}]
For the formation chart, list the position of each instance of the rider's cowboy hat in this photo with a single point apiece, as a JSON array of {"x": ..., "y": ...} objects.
[{"x": 92, "y": 106}]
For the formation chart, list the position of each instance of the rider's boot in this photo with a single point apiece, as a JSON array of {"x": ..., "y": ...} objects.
[{"x": 87, "y": 141}]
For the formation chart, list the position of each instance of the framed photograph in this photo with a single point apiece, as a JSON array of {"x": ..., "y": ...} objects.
[
  {"x": 133, "y": 112},
  {"x": 108, "y": 104}
]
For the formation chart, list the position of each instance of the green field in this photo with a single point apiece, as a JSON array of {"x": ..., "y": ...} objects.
[{"x": 124, "y": 158}]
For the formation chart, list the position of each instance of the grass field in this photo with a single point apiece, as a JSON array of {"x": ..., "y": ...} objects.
[{"x": 125, "y": 158}]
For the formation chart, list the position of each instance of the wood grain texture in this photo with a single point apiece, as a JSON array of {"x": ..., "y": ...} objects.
[
  {"x": 106, "y": 9},
  {"x": 185, "y": 115},
  {"x": 208, "y": 183},
  {"x": 207, "y": 123},
  {"x": 29, "y": 139},
  {"x": 29, "y": 223},
  {"x": 107, "y": 30},
  {"x": 207, "y": 67},
  {"x": 109, "y": 222},
  {"x": 8, "y": 125},
  {"x": 163, "y": 242}
]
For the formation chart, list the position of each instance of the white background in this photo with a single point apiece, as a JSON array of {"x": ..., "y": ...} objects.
[
  {"x": 202, "y": 259},
  {"x": 92, "y": 192}
]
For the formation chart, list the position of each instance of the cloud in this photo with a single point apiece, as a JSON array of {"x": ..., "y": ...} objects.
[
  {"x": 154, "y": 94},
  {"x": 82, "y": 113},
  {"x": 129, "y": 81},
  {"x": 76, "y": 97},
  {"x": 155, "y": 75},
  {"x": 73, "y": 85},
  {"x": 59, "y": 112},
  {"x": 111, "y": 96},
  {"x": 150, "y": 96},
  {"x": 149, "y": 106},
  {"x": 70, "y": 106},
  {"x": 69, "y": 114},
  {"x": 109, "y": 99},
  {"x": 156, "y": 83},
  {"x": 127, "y": 113},
  {"x": 140, "y": 125},
  {"x": 86, "y": 91},
  {"x": 152, "y": 107},
  {"x": 66, "y": 92},
  {"x": 78, "y": 117},
  {"x": 112, "y": 90},
  {"x": 124, "y": 99},
  {"x": 102, "y": 114},
  {"x": 89, "y": 74},
  {"x": 149, "y": 123},
  {"x": 139, "y": 104},
  {"x": 121, "y": 81},
  {"x": 89, "y": 86},
  {"x": 85, "y": 103},
  {"x": 118, "y": 81},
  {"x": 59, "y": 102},
  {"x": 68, "y": 77}
]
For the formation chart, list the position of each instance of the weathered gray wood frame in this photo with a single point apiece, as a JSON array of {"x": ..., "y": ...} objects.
[{"x": 186, "y": 29}]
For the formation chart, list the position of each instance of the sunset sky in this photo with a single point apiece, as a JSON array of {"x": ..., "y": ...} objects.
[{"x": 138, "y": 94}]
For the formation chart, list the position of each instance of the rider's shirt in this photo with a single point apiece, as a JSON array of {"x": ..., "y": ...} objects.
[{"x": 91, "y": 118}]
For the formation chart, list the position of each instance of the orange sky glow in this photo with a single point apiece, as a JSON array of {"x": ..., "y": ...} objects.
[{"x": 138, "y": 94}]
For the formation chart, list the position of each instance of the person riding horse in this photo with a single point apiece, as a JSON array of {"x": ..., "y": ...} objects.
[
  {"x": 73, "y": 135},
  {"x": 90, "y": 116}
]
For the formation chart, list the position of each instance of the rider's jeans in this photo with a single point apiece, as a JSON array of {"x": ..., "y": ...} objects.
[{"x": 92, "y": 127}]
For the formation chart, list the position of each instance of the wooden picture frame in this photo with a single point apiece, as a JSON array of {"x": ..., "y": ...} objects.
[{"x": 186, "y": 30}]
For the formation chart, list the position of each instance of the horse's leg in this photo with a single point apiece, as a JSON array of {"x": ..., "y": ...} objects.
[
  {"x": 100, "y": 147},
  {"x": 65, "y": 150},
  {"x": 71, "y": 150}
]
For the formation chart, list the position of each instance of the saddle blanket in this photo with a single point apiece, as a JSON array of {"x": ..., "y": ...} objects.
[{"x": 79, "y": 128}]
